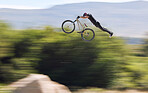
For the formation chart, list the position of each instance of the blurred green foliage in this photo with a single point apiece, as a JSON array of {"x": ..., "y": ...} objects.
[
  {"x": 146, "y": 47},
  {"x": 66, "y": 58}
]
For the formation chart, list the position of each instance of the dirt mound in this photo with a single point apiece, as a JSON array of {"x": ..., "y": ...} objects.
[{"x": 38, "y": 83}]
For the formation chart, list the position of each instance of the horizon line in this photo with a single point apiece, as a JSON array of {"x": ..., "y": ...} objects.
[{"x": 34, "y": 8}]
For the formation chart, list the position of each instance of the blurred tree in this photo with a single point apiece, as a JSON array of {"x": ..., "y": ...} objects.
[
  {"x": 21, "y": 47},
  {"x": 67, "y": 61},
  {"x": 80, "y": 63}
]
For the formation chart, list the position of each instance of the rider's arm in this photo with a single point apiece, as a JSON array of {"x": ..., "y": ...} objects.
[{"x": 84, "y": 17}]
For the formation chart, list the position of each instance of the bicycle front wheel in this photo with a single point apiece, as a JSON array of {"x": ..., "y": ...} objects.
[
  {"x": 68, "y": 26},
  {"x": 88, "y": 34}
]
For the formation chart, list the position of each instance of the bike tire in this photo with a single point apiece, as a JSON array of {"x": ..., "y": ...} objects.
[
  {"x": 87, "y": 32},
  {"x": 68, "y": 28}
]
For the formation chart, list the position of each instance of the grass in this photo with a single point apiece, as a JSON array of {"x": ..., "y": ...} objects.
[
  {"x": 3, "y": 88},
  {"x": 101, "y": 90},
  {"x": 2, "y": 85},
  {"x": 136, "y": 50}
]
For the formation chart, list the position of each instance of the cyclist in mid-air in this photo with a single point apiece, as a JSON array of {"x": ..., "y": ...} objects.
[{"x": 96, "y": 23}]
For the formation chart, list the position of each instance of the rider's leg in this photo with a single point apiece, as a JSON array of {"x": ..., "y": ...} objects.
[{"x": 103, "y": 29}]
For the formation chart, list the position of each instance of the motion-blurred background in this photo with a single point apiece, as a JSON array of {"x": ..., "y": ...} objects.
[{"x": 31, "y": 41}]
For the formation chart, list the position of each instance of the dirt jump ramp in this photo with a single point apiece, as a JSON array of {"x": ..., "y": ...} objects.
[{"x": 38, "y": 83}]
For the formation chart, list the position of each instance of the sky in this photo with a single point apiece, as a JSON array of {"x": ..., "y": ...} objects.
[{"x": 40, "y": 4}]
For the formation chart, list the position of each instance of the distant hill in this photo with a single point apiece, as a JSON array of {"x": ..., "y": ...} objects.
[
  {"x": 133, "y": 41},
  {"x": 124, "y": 19}
]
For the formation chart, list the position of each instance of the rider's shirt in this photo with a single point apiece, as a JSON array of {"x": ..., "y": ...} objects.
[{"x": 91, "y": 18}]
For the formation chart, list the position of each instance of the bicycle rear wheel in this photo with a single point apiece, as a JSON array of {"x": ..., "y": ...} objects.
[
  {"x": 68, "y": 26},
  {"x": 87, "y": 34}
]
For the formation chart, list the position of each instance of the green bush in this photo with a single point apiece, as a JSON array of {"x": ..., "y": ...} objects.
[{"x": 67, "y": 59}]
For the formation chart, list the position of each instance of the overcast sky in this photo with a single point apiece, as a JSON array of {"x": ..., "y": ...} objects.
[{"x": 39, "y": 4}]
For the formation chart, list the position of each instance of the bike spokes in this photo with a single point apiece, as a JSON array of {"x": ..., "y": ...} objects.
[
  {"x": 88, "y": 34},
  {"x": 68, "y": 26}
]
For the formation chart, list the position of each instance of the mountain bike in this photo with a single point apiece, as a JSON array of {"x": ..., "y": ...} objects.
[{"x": 87, "y": 34}]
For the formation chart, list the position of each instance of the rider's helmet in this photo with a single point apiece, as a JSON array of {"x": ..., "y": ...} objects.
[{"x": 85, "y": 14}]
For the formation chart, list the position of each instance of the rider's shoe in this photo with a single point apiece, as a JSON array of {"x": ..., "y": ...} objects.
[{"x": 111, "y": 34}]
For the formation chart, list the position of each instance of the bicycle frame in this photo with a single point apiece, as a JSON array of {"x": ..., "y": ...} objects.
[
  {"x": 87, "y": 34},
  {"x": 80, "y": 24}
]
